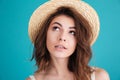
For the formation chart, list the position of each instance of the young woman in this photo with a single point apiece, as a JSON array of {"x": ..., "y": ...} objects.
[{"x": 62, "y": 42}]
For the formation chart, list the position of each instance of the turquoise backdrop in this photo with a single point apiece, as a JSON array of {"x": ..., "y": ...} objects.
[{"x": 16, "y": 48}]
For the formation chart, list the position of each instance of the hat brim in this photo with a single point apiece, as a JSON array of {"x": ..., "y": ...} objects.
[{"x": 44, "y": 10}]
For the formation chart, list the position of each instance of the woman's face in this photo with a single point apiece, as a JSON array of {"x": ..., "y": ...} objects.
[{"x": 61, "y": 41}]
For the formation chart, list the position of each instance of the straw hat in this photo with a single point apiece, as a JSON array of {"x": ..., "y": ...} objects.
[{"x": 44, "y": 10}]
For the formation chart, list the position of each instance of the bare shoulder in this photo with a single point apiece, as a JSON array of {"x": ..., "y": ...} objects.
[
  {"x": 101, "y": 74},
  {"x": 36, "y": 76},
  {"x": 28, "y": 78}
]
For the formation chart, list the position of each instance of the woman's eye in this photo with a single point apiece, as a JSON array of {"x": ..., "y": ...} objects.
[
  {"x": 55, "y": 28},
  {"x": 72, "y": 32}
]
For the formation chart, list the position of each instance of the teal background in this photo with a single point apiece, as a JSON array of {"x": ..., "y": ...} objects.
[{"x": 16, "y": 48}]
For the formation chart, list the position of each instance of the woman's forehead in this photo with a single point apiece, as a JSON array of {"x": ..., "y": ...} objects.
[{"x": 63, "y": 20}]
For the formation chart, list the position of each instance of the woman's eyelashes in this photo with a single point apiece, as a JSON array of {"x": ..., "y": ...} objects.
[
  {"x": 55, "y": 28},
  {"x": 72, "y": 32}
]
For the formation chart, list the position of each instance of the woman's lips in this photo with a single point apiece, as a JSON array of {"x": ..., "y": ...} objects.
[{"x": 60, "y": 47}]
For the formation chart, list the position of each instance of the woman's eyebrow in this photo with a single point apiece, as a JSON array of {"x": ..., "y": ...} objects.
[
  {"x": 72, "y": 28},
  {"x": 61, "y": 25},
  {"x": 57, "y": 23}
]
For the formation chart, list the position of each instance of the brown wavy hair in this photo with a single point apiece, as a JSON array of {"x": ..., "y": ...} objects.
[{"x": 78, "y": 61}]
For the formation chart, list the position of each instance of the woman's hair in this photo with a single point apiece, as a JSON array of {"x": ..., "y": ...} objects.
[{"x": 78, "y": 61}]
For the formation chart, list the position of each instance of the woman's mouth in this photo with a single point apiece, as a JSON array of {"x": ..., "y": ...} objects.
[{"x": 60, "y": 47}]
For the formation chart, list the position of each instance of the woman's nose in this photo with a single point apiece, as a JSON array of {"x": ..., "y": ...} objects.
[{"x": 62, "y": 37}]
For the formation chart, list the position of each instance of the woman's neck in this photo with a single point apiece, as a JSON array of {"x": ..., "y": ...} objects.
[
  {"x": 58, "y": 70},
  {"x": 59, "y": 67}
]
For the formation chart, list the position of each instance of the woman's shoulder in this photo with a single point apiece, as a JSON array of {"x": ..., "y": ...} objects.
[
  {"x": 28, "y": 78},
  {"x": 101, "y": 74},
  {"x": 31, "y": 77},
  {"x": 36, "y": 76}
]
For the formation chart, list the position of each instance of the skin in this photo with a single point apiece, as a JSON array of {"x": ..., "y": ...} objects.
[{"x": 61, "y": 43}]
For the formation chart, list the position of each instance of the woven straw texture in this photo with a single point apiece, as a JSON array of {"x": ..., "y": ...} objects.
[{"x": 44, "y": 10}]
